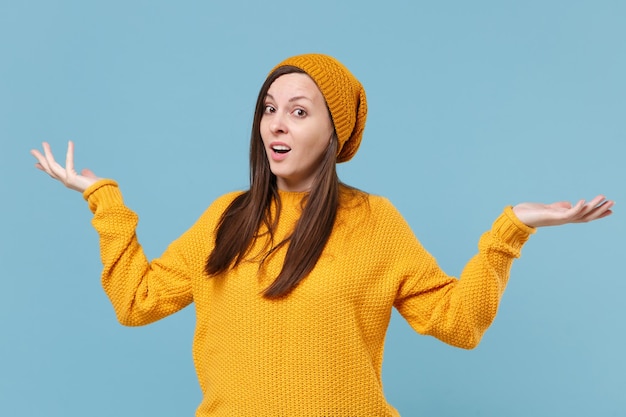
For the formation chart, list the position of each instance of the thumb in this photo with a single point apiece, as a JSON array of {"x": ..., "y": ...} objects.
[
  {"x": 88, "y": 173},
  {"x": 562, "y": 204}
]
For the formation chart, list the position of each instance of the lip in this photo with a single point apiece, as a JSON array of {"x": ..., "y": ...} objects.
[{"x": 275, "y": 155}]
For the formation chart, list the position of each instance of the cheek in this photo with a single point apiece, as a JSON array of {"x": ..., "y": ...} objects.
[{"x": 318, "y": 147}]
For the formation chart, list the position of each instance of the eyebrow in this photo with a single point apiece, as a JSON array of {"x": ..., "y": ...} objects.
[{"x": 296, "y": 98}]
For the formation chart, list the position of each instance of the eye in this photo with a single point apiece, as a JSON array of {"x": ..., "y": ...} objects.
[
  {"x": 300, "y": 112},
  {"x": 269, "y": 109}
]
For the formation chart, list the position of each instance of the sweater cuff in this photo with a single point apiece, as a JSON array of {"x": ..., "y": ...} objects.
[
  {"x": 103, "y": 194},
  {"x": 511, "y": 230}
]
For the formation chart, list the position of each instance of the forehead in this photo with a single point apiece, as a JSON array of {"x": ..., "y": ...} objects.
[{"x": 295, "y": 85}]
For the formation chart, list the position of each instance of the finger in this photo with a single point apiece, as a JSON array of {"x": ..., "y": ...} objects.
[
  {"x": 585, "y": 208},
  {"x": 41, "y": 160},
  {"x": 592, "y": 213},
  {"x": 562, "y": 205},
  {"x": 55, "y": 170},
  {"x": 47, "y": 151},
  {"x": 599, "y": 211},
  {"x": 575, "y": 211},
  {"x": 48, "y": 157},
  {"x": 596, "y": 204},
  {"x": 599, "y": 199},
  {"x": 69, "y": 157},
  {"x": 605, "y": 213},
  {"x": 88, "y": 173},
  {"x": 40, "y": 167}
]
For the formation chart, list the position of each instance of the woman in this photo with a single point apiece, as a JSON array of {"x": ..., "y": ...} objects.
[{"x": 294, "y": 280}]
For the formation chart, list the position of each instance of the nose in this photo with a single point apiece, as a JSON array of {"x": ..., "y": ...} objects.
[{"x": 277, "y": 123}]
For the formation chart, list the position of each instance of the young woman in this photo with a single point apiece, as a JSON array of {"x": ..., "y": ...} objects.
[{"x": 294, "y": 280}]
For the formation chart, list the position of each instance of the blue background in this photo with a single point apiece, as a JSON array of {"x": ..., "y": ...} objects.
[{"x": 473, "y": 106}]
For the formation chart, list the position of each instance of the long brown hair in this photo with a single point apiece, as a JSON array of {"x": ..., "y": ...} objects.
[{"x": 241, "y": 221}]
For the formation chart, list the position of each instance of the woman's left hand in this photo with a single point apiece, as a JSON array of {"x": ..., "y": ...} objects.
[{"x": 562, "y": 212}]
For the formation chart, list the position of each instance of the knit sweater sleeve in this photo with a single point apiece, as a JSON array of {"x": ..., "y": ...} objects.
[
  {"x": 457, "y": 311},
  {"x": 142, "y": 291}
]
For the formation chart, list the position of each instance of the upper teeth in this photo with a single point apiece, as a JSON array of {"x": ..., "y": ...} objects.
[{"x": 280, "y": 148}]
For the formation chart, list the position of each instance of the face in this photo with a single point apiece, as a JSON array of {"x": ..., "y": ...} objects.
[{"x": 296, "y": 129}]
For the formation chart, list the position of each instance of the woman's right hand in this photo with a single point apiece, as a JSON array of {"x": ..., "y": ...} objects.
[{"x": 67, "y": 175}]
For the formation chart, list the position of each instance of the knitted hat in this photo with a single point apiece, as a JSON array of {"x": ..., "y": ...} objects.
[{"x": 345, "y": 98}]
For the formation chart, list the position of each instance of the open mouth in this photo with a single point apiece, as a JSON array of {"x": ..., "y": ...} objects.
[{"x": 281, "y": 149}]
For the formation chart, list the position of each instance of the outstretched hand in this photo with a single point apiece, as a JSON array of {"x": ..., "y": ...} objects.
[
  {"x": 555, "y": 214},
  {"x": 66, "y": 175}
]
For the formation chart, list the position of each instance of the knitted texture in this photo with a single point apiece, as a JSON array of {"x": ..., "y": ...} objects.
[
  {"x": 319, "y": 351},
  {"x": 345, "y": 98}
]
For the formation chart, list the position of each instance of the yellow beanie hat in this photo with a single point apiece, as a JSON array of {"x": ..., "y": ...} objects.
[{"x": 345, "y": 98}]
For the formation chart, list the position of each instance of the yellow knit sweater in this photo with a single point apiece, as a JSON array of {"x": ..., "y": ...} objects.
[{"x": 319, "y": 351}]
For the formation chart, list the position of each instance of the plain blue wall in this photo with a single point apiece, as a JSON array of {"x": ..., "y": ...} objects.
[{"x": 473, "y": 106}]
